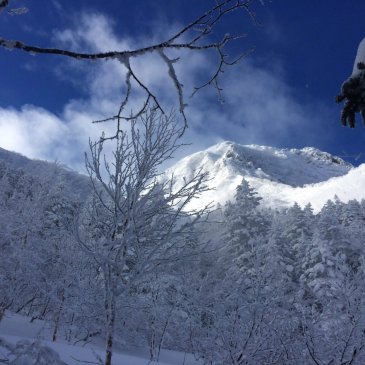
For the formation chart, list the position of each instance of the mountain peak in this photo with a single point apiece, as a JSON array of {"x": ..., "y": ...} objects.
[
  {"x": 294, "y": 167},
  {"x": 277, "y": 174},
  {"x": 280, "y": 176}
]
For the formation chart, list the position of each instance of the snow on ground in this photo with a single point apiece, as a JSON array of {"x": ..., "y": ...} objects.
[
  {"x": 14, "y": 328},
  {"x": 278, "y": 195},
  {"x": 347, "y": 187}
]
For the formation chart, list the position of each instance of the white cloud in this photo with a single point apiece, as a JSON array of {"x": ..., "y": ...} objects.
[
  {"x": 259, "y": 108},
  {"x": 26, "y": 130},
  {"x": 37, "y": 133}
]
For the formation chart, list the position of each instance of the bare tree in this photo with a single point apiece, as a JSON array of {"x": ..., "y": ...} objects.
[
  {"x": 136, "y": 223},
  {"x": 197, "y": 36}
]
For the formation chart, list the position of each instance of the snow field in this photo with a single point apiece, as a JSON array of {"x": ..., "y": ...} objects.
[{"x": 14, "y": 328}]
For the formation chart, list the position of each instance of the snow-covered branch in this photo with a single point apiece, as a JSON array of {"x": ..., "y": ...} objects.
[{"x": 197, "y": 36}]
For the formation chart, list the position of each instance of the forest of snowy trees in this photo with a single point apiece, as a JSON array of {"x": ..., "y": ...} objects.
[
  {"x": 239, "y": 285},
  {"x": 127, "y": 261}
]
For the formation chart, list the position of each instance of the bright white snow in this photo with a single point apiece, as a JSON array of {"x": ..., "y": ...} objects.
[
  {"x": 15, "y": 327},
  {"x": 360, "y": 57},
  {"x": 280, "y": 176}
]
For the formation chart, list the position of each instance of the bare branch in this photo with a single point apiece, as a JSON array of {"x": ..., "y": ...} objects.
[
  {"x": 214, "y": 80},
  {"x": 179, "y": 87},
  {"x": 193, "y": 37}
]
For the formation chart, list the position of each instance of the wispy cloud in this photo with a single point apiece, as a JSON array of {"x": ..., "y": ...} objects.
[{"x": 259, "y": 107}]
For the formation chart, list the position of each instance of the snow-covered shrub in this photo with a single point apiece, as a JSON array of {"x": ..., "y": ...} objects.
[{"x": 25, "y": 352}]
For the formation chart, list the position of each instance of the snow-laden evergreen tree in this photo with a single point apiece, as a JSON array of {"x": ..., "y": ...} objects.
[
  {"x": 332, "y": 313},
  {"x": 319, "y": 259},
  {"x": 351, "y": 218},
  {"x": 236, "y": 311},
  {"x": 331, "y": 250},
  {"x": 290, "y": 235},
  {"x": 245, "y": 225}
]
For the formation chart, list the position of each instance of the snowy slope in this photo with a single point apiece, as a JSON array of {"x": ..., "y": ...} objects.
[
  {"x": 14, "y": 328},
  {"x": 50, "y": 171},
  {"x": 280, "y": 176}
]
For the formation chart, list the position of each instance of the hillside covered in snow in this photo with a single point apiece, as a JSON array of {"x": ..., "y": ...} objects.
[
  {"x": 78, "y": 273},
  {"x": 280, "y": 176},
  {"x": 51, "y": 172}
]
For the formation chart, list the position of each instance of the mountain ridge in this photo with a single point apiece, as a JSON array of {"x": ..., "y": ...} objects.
[
  {"x": 59, "y": 173},
  {"x": 280, "y": 176}
]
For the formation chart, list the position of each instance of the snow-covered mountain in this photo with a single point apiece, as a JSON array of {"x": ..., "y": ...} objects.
[{"x": 280, "y": 176}]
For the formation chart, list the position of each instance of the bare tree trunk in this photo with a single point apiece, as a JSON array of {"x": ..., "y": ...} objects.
[
  {"x": 110, "y": 316},
  {"x": 69, "y": 334},
  {"x": 58, "y": 316},
  {"x": 45, "y": 309},
  {"x": 163, "y": 336},
  {"x": 153, "y": 342},
  {"x": 2, "y": 310},
  {"x": 30, "y": 301},
  {"x": 4, "y": 306},
  {"x": 109, "y": 341}
]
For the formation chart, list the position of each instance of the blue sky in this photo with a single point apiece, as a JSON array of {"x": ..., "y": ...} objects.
[{"x": 281, "y": 95}]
